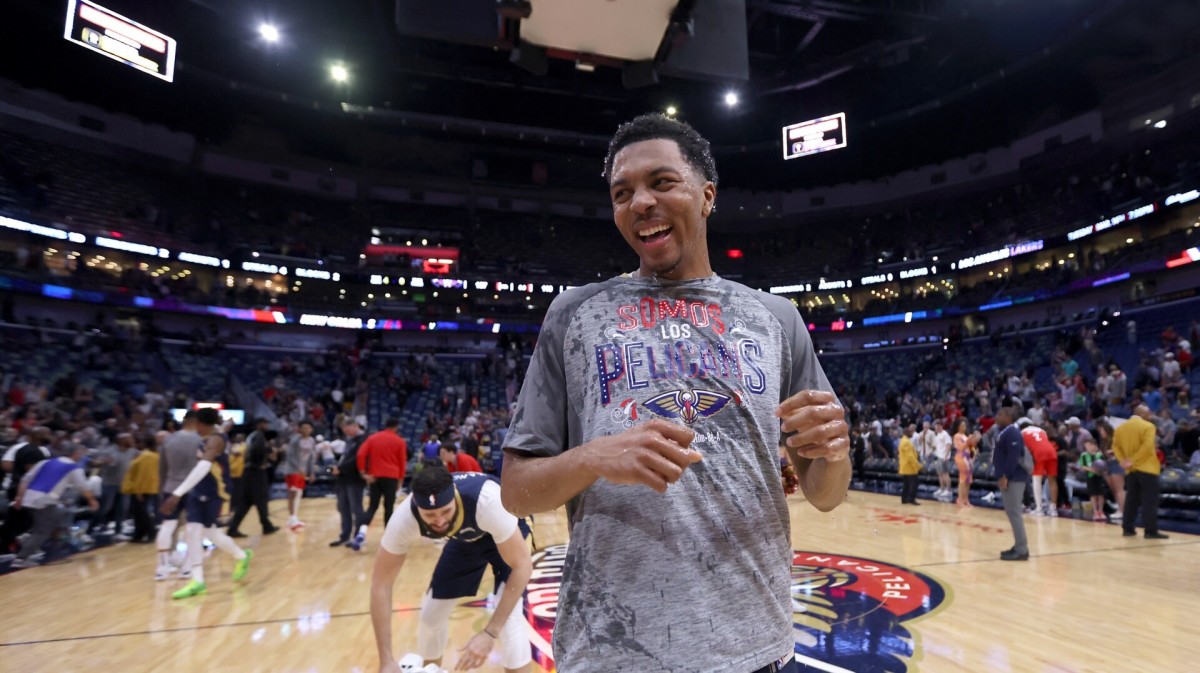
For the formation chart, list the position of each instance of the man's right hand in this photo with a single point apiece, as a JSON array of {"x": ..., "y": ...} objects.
[
  {"x": 168, "y": 506},
  {"x": 653, "y": 454}
]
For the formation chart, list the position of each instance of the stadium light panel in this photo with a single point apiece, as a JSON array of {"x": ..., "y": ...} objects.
[
  {"x": 268, "y": 32},
  {"x": 339, "y": 73},
  {"x": 731, "y": 99}
]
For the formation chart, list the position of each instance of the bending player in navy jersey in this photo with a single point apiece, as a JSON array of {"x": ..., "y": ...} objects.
[
  {"x": 465, "y": 510},
  {"x": 200, "y": 493}
]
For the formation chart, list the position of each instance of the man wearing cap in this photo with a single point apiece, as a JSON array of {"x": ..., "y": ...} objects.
[
  {"x": 1133, "y": 445},
  {"x": 465, "y": 511}
]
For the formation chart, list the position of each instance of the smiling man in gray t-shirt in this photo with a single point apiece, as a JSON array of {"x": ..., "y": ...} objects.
[{"x": 653, "y": 408}]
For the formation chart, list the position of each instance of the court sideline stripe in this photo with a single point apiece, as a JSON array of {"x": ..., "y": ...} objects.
[
  {"x": 1073, "y": 552},
  {"x": 187, "y": 628}
]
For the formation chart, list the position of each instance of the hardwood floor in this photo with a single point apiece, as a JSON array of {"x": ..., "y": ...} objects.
[{"x": 878, "y": 587}]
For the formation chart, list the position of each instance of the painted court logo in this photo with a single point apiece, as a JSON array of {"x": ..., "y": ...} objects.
[
  {"x": 541, "y": 601},
  {"x": 849, "y": 613}
]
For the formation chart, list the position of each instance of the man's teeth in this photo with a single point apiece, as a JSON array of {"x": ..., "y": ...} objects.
[{"x": 653, "y": 230}]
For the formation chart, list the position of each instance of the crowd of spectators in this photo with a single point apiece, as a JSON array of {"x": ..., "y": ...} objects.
[
  {"x": 1077, "y": 406},
  {"x": 111, "y": 430}
]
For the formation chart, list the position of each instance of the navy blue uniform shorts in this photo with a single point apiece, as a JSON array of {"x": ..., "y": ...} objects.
[
  {"x": 459, "y": 571},
  {"x": 179, "y": 507},
  {"x": 203, "y": 508}
]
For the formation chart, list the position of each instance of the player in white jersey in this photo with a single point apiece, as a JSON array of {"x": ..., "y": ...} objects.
[{"x": 466, "y": 512}]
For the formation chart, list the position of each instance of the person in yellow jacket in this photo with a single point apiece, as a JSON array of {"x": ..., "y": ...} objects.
[
  {"x": 910, "y": 466},
  {"x": 237, "y": 469},
  {"x": 141, "y": 484},
  {"x": 1133, "y": 445}
]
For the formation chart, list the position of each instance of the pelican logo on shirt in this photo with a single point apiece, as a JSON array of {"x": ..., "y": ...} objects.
[{"x": 687, "y": 405}]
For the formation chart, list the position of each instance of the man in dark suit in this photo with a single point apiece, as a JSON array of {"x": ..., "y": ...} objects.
[{"x": 257, "y": 476}]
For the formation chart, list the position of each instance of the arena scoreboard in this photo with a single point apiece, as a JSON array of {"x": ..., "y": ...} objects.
[
  {"x": 119, "y": 38},
  {"x": 814, "y": 135}
]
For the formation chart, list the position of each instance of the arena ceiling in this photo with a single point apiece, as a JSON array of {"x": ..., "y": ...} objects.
[{"x": 919, "y": 80}]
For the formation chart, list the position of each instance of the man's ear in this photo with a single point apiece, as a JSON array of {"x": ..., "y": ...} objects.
[{"x": 710, "y": 199}]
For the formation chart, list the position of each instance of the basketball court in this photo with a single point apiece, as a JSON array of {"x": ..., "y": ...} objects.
[{"x": 878, "y": 588}]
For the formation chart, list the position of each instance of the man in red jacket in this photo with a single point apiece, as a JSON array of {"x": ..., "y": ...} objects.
[
  {"x": 382, "y": 460},
  {"x": 457, "y": 461}
]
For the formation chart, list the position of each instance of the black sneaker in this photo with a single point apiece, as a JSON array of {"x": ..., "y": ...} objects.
[
  {"x": 235, "y": 533},
  {"x": 1157, "y": 536},
  {"x": 339, "y": 542},
  {"x": 272, "y": 529},
  {"x": 1013, "y": 555},
  {"x": 1129, "y": 533}
]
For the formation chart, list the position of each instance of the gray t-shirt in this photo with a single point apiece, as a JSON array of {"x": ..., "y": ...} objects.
[
  {"x": 697, "y": 579},
  {"x": 112, "y": 473},
  {"x": 300, "y": 455},
  {"x": 181, "y": 452}
]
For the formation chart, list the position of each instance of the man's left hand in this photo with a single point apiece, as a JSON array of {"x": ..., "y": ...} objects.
[
  {"x": 475, "y": 653},
  {"x": 818, "y": 423}
]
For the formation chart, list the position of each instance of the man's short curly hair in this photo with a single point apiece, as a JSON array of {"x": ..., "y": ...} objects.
[{"x": 654, "y": 126}]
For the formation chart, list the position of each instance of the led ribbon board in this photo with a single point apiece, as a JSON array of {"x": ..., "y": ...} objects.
[{"x": 106, "y": 32}]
